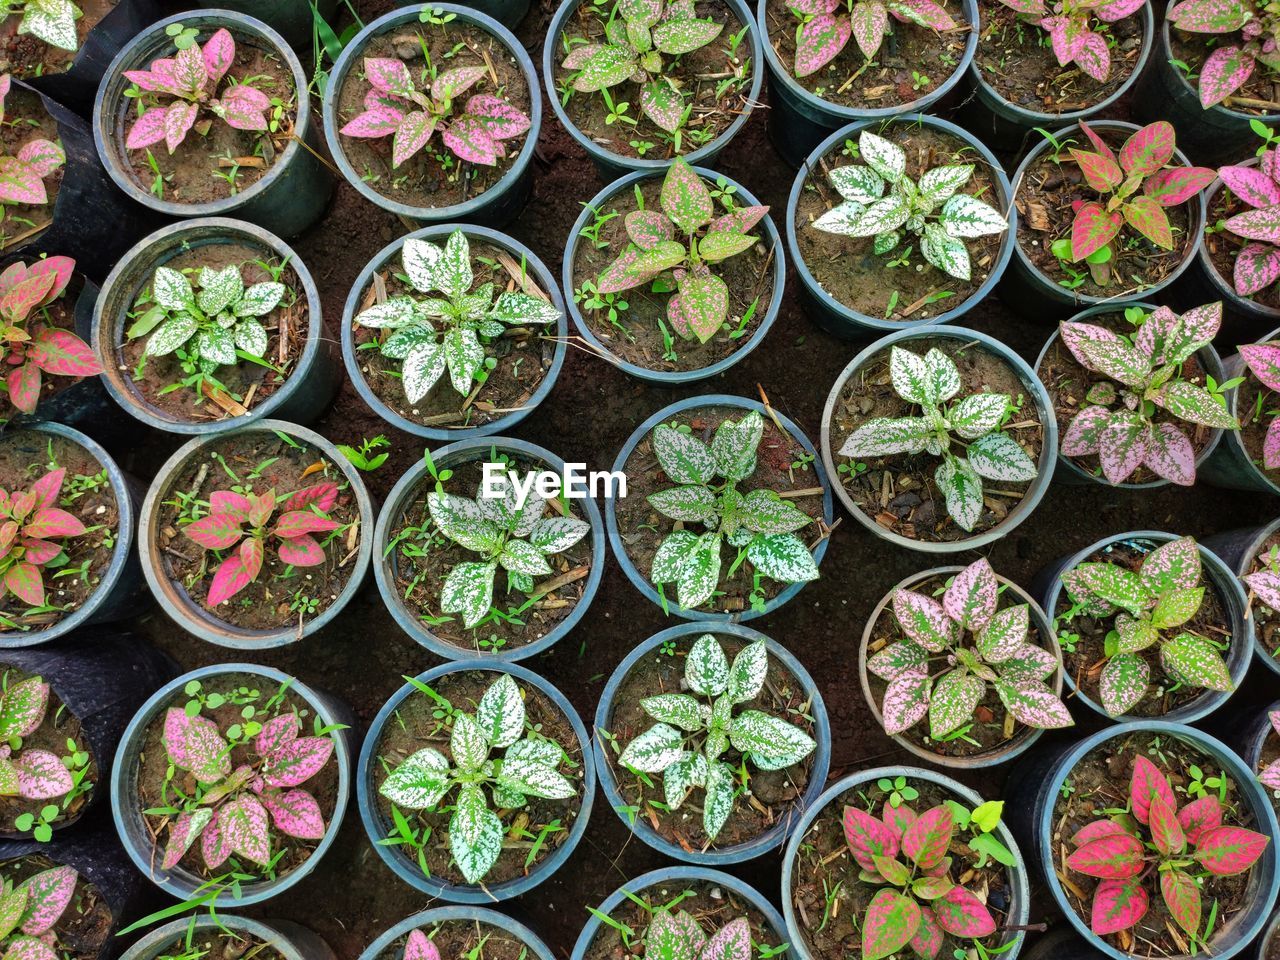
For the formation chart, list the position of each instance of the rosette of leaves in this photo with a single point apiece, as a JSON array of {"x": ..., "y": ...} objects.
[
  {"x": 952, "y": 650},
  {"x": 1135, "y": 188},
  {"x": 759, "y": 524},
  {"x": 929, "y": 208},
  {"x": 827, "y": 25},
  {"x": 1070, "y": 26},
  {"x": 1156, "y": 843},
  {"x": 1150, "y": 609},
  {"x": 240, "y": 523},
  {"x": 688, "y": 743},
  {"x": 53, "y": 21},
  {"x": 22, "y": 175},
  {"x": 516, "y": 538},
  {"x": 976, "y": 422},
  {"x": 174, "y": 93},
  {"x": 33, "y": 348},
  {"x": 1242, "y": 35},
  {"x": 231, "y": 811},
  {"x": 1263, "y": 361},
  {"x": 29, "y": 912},
  {"x": 1117, "y": 422},
  {"x": 394, "y": 107},
  {"x": 917, "y": 904},
  {"x": 1257, "y": 264},
  {"x": 431, "y": 334},
  {"x": 677, "y": 935},
  {"x": 525, "y": 765},
  {"x": 28, "y": 774},
  {"x": 1270, "y": 775},
  {"x": 638, "y": 36},
  {"x": 215, "y": 327},
  {"x": 683, "y": 241},
  {"x": 31, "y": 526}
]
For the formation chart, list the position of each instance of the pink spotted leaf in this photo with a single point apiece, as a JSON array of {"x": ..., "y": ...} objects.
[
  {"x": 418, "y": 947},
  {"x": 296, "y": 761},
  {"x": 1117, "y": 905},
  {"x": 243, "y": 107},
  {"x": 245, "y": 829},
  {"x": 42, "y": 776},
  {"x": 820, "y": 41},
  {"x": 1257, "y": 267},
  {"x": 889, "y": 924},
  {"x": 1170, "y": 455},
  {"x": 906, "y": 699},
  {"x": 1251, "y": 185},
  {"x": 295, "y": 813},
  {"x": 49, "y": 893},
  {"x": 868, "y": 837},
  {"x": 1083, "y": 434},
  {"x": 924, "y": 620},
  {"x": 1225, "y": 71},
  {"x": 469, "y": 139},
  {"x": 1145, "y": 783},
  {"x": 183, "y": 832},
  {"x": 971, "y": 598},
  {"x": 502, "y": 120}
]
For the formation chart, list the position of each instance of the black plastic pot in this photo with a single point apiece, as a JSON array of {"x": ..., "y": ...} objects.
[
  {"x": 1030, "y": 293},
  {"x": 291, "y": 941},
  {"x": 1261, "y": 949},
  {"x": 1237, "y": 548},
  {"x": 287, "y": 199},
  {"x": 1249, "y": 738},
  {"x": 1230, "y": 466},
  {"x": 290, "y": 18},
  {"x": 499, "y": 204},
  {"x": 301, "y": 399}
]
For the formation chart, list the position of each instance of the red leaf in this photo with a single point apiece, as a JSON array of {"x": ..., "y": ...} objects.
[
  {"x": 301, "y": 551},
  {"x": 926, "y": 840},
  {"x": 24, "y": 296},
  {"x": 24, "y": 581},
  {"x": 1172, "y": 187},
  {"x": 251, "y": 554},
  {"x": 1099, "y": 145},
  {"x": 1095, "y": 831},
  {"x": 224, "y": 501},
  {"x": 1093, "y": 228},
  {"x": 40, "y": 552},
  {"x": 890, "y": 922},
  {"x": 1101, "y": 173},
  {"x": 962, "y": 914},
  {"x": 1182, "y": 897},
  {"x": 217, "y": 531},
  {"x": 230, "y": 579},
  {"x": 1166, "y": 832},
  {"x": 48, "y": 487},
  {"x": 62, "y": 268},
  {"x": 1117, "y": 905},
  {"x": 63, "y": 354},
  {"x": 897, "y": 818},
  {"x": 1227, "y": 851},
  {"x": 1147, "y": 782},
  {"x": 1114, "y": 857},
  {"x": 53, "y": 522},
  {"x": 261, "y": 507},
  {"x": 1147, "y": 217},
  {"x": 868, "y": 837},
  {"x": 323, "y": 495},
  {"x": 24, "y": 387},
  {"x": 295, "y": 523},
  {"x": 1199, "y": 816},
  {"x": 929, "y": 937}
]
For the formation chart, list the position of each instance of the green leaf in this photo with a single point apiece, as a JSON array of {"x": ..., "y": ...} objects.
[
  {"x": 1123, "y": 683},
  {"x": 859, "y": 184},
  {"x": 217, "y": 345},
  {"x": 531, "y": 767},
  {"x": 1177, "y": 607},
  {"x": 453, "y": 270},
  {"x": 978, "y": 414},
  {"x": 518, "y": 309},
  {"x": 883, "y": 156},
  {"x": 500, "y": 713},
  {"x": 939, "y": 183},
  {"x": 705, "y": 669},
  {"x": 467, "y": 743},
  {"x": 961, "y": 489},
  {"x": 251, "y": 337},
  {"x": 1188, "y": 402},
  {"x": 718, "y": 804},
  {"x": 682, "y": 776},
  {"x": 685, "y": 199},
  {"x": 607, "y": 67},
  {"x": 475, "y": 834},
  {"x": 783, "y": 557},
  {"x": 419, "y": 782},
  {"x": 966, "y": 216},
  {"x": 1197, "y": 662},
  {"x": 463, "y": 355},
  {"x": 468, "y": 590},
  {"x": 671, "y": 556},
  {"x": 733, "y": 448},
  {"x": 704, "y": 301},
  {"x": 885, "y": 436},
  {"x": 684, "y": 458}
]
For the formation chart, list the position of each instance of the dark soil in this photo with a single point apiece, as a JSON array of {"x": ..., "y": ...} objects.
[
  {"x": 1017, "y": 61},
  {"x": 849, "y": 269},
  {"x": 96, "y": 508},
  {"x": 416, "y": 726},
  {"x": 196, "y": 172},
  {"x": 899, "y": 492},
  {"x": 457, "y": 938},
  {"x": 85, "y": 930},
  {"x": 1101, "y": 781},
  {"x": 1193, "y": 49},
  {"x": 912, "y": 62},
  {"x": 774, "y": 794},
  {"x": 149, "y": 777},
  {"x": 216, "y": 945},
  {"x": 636, "y": 336},
  {"x": 1085, "y": 664},
  {"x": 1265, "y": 620},
  {"x": 25, "y": 119},
  {"x": 248, "y": 384},
  {"x": 421, "y": 578},
  {"x": 523, "y": 354},
  {"x": 433, "y": 177},
  {"x": 1069, "y": 381},
  {"x": 1223, "y": 246},
  {"x": 25, "y": 56},
  {"x": 265, "y": 604}
]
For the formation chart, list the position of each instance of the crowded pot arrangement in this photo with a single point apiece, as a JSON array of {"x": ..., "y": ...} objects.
[{"x": 1090, "y": 758}]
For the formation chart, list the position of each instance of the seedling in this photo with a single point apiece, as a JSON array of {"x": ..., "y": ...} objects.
[
  {"x": 1242, "y": 35},
  {"x": 827, "y": 25},
  {"x": 1257, "y": 264},
  {"x": 1071, "y": 29},
  {"x": 363, "y": 457},
  {"x": 31, "y": 524},
  {"x": 28, "y": 773},
  {"x": 30, "y": 910}
]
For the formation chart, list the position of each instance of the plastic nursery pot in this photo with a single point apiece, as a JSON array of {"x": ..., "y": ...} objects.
[
  {"x": 120, "y": 583},
  {"x": 498, "y": 203},
  {"x": 412, "y": 488},
  {"x": 1239, "y": 549},
  {"x": 1072, "y": 473},
  {"x": 289, "y": 940},
  {"x": 135, "y": 833},
  {"x": 1032, "y": 293},
  {"x": 1036, "y": 785},
  {"x": 1250, "y": 738},
  {"x": 100, "y": 678},
  {"x": 807, "y": 831},
  {"x": 509, "y": 13},
  {"x": 1264, "y": 947},
  {"x": 1230, "y": 464},
  {"x": 287, "y": 199},
  {"x": 770, "y": 838},
  {"x": 1007, "y": 124},
  {"x": 1002, "y": 753},
  {"x": 390, "y": 945},
  {"x": 799, "y": 120},
  {"x": 599, "y": 336},
  {"x": 360, "y": 372},
  {"x": 1047, "y": 588},
  {"x": 181, "y": 606},
  {"x": 311, "y": 381},
  {"x": 842, "y": 320},
  {"x": 666, "y": 883},
  {"x": 611, "y": 164},
  {"x": 740, "y": 406},
  {"x": 379, "y": 826},
  {"x": 289, "y": 18},
  {"x": 1035, "y": 391}
]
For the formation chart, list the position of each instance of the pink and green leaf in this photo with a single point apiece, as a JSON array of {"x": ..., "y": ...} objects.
[
  {"x": 1117, "y": 905},
  {"x": 1257, "y": 267},
  {"x": 962, "y": 914},
  {"x": 303, "y": 551},
  {"x": 1114, "y": 857},
  {"x": 868, "y": 837},
  {"x": 1251, "y": 185},
  {"x": 1225, "y": 71},
  {"x": 195, "y": 745},
  {"x": 928, "y": 837},
  {"x": 295, "y": 813},
  {"x": 1147, "y": 782},
  {"x": 217, "y": 531},
  {"x": 971, "y": 598},
  {"x": 245, "y": 829},
  {"x": 1102, "y": 173},
  {"x": 470, "y": 140},
  {"x": 502, "y": 120},
  {"x": 1147, "y": 217},
  {"x": 1171, "y": 187},
  {"x": 1227, "y": 851},
  {"x": 49, "y": 893},
  {"x": 1148, "y": 149},
  {"x": 62, "y": 353},
  {"x": 1198, "y": 816},
  {"x": 889, "y": 924},
  {"x": 924, "y": 620},
  {"x": 820, "y": 41},
  {"x": 1181, "y": 896},
  {"x": 1092, "y": 229}
]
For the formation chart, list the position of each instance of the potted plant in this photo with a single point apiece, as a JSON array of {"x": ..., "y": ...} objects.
[
  {"x": 454, "y": 332},
  {"x": 518, "y": 763},
  {"x": 455, "y": 931},
  {"x": 42, "y": 904},
  {"x": 674, "y": 280},
  {"x": 228, "y": 936},
  {"x": 206, "y": 114},
  {"x": 1253, "y": 554},
  {"x": 930, "y": 389},
  {"x": 638, "y": 84},
  {"x": 1249, "y": 458},
  {"x": 231, "y": 781},
  {"x": 899, "y": 858},
  {"x": 720, "y": 772},
  {"x": 257, "y": 537},
  {"x": 703, "y": 913},
  {"x": 212, "y": 324},
  {"x": 430, "y": 139},
  {"x": 1150, "y": 625},
  {"x": 966, "y": 672},
  {"x": 1138, "y": 393},
  {"x": 905, "y": 224},
  {"x": 1120, "y": 218},
  {"x": 750, "y": 478},
  {"x": 1045, "y": 63},
  {"x": 1259, "y": 747},
  {"x": 469, "y": 567}
]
